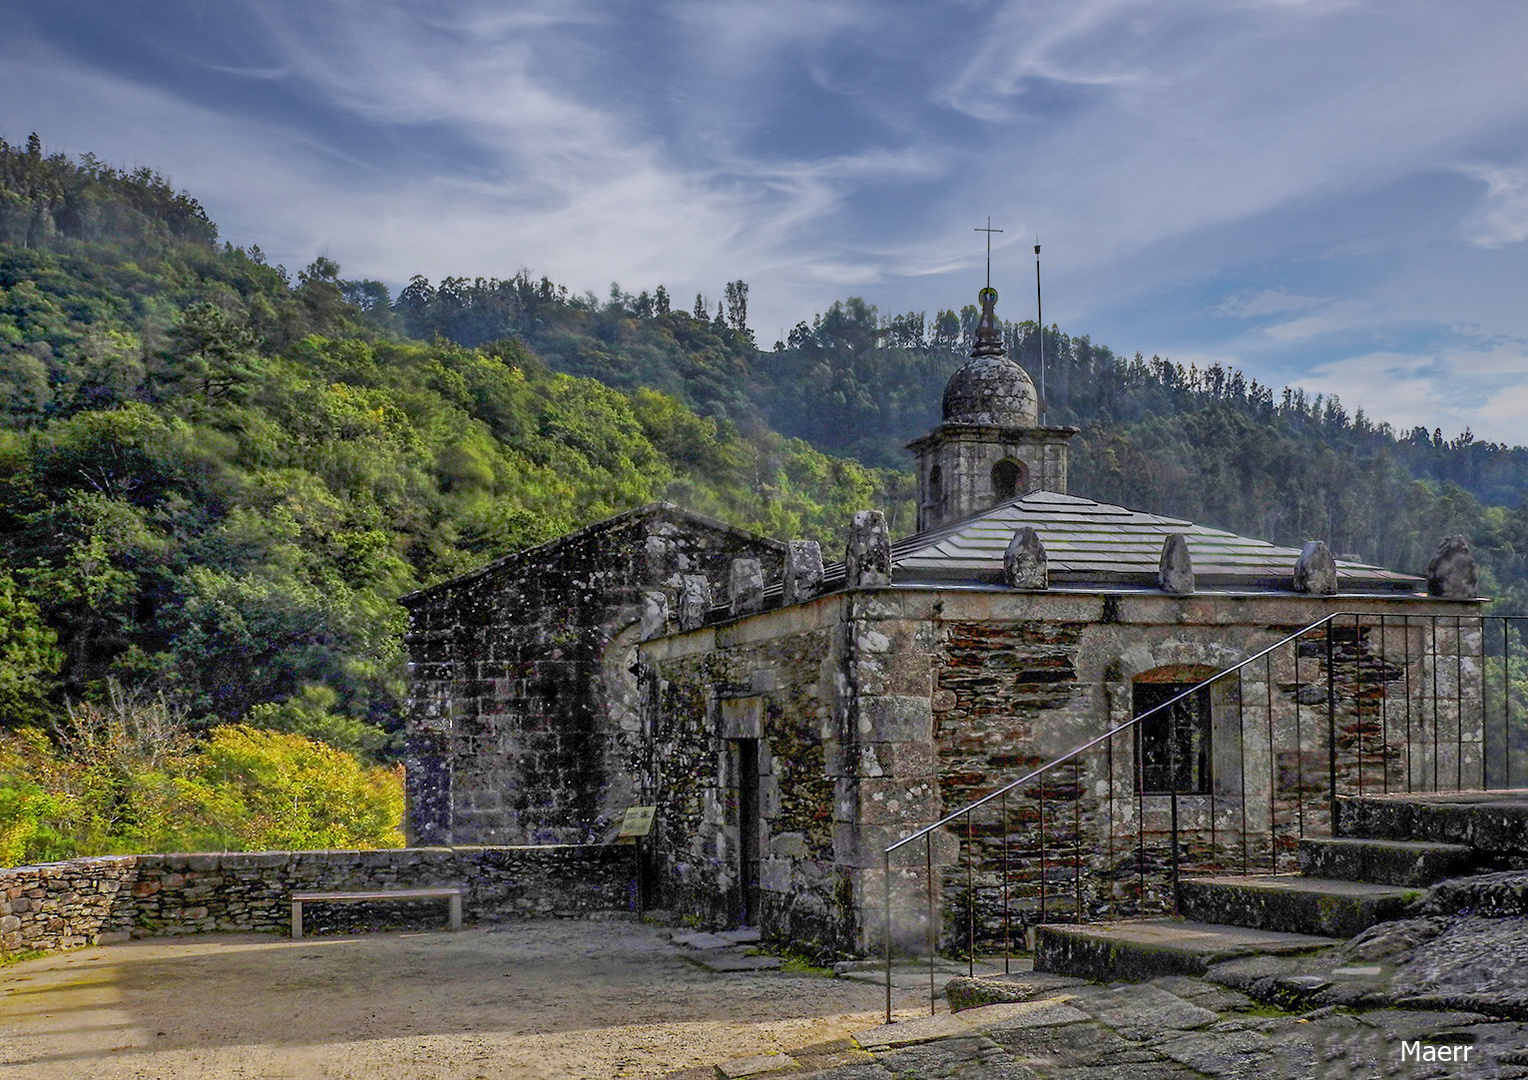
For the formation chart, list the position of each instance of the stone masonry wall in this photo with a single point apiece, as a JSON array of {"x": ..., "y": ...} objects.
[
  {"x": 523, "y": 720},
  {"x": 837, "y": 692},
  {"x": 774, "y": 687},
  {"x": 1022, "y": 681},
  {"x": 61, "y": 905}
]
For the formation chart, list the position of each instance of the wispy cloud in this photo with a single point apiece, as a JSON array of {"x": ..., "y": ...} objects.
[
  {"x": 1484, "y": 389},
  {"x": 1266, "y": 302},
  {"x": 1356, "y": 168}
]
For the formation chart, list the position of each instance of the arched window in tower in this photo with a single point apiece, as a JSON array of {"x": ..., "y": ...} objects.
[
  {"x": 935, "y": 476},
  {"x": 1008, "y": 479}
]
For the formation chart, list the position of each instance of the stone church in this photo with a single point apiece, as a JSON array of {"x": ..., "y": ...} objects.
[{"x": 789, "y": 719}]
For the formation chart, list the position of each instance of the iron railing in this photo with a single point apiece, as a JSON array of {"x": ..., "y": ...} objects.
[{"x": 1351, "y": 704}]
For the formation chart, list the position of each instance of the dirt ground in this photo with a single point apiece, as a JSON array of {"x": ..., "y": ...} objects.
[{"x": 553, "y": 999}]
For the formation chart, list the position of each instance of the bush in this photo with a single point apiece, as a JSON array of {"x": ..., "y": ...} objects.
[
  {"x": 124, "y": 777},
  {"x": 291, "y": 793}
]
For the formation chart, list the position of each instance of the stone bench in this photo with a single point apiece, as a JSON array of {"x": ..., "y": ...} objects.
[{"x": 451, "y": 893}]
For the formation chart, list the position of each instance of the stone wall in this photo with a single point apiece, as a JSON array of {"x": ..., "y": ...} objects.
[
  {"x": 1023, "y": 680},
  {"x": 766, "y": 687},
  {"x": 60, "y": 905},
  {"x": 522, "y": 719},
  {"x": 63, "y": 905}
]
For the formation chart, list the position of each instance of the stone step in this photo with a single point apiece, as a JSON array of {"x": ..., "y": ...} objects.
[
  {"x": 1494, "y": 822},
  {"x": 1293, "y": 904},
  {"x": 1136, "y": 951},
  {"x": 1384, "y": 862}
]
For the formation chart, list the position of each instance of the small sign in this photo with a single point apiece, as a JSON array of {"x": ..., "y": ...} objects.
[{"x": 637, "y": 822}]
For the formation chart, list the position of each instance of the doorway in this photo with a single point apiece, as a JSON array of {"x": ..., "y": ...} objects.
[{"x": 749, "y": 825}]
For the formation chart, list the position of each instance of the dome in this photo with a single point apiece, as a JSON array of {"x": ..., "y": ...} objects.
[{"x": 991, "y": 390}]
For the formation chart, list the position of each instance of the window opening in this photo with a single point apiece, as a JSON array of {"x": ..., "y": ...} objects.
[
  {"x": 1172, "y": 746},
  {"x": 1005, "y": 479}
]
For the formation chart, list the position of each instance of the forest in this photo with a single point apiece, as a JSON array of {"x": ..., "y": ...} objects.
[{"x": 217, "y": 477}]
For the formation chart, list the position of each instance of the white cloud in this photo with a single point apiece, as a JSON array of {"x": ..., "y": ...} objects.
[
  {"x": 1483, "y": 389},
  {"x": 1174, "y": 118},
  {"x": 1502, "y": 216},
  {"x": 1505, "y": 411},
  {"x": 575, "y": 193},
  {"x": 1335, "y": 317}
]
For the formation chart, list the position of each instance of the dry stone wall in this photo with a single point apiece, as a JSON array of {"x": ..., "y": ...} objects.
[
  {"x": 63, "y": 905},
  {"x": 67, "y": 904}
]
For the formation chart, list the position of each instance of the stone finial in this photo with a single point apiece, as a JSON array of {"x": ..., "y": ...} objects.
[
  {"x": 745, "y": 587},
  {"x": 655, "y": 614},
  {"x": 1316, "y": 570},
  {"x": 1175, "y": 571},
  {"x": 867, "y": 559},
  {"x": 1024, "y": 561},
  {"x": 803, "y": 571},
  {"x": 1452, "y": 574},
  {"x": 694, "y": 601}
]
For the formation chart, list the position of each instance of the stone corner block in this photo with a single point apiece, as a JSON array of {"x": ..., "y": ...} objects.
[
  {"x": 896, "y": 718},
  {"x": 1452, "y": 573},
  {"x": 1315, "y": 570},
  {"x": 1024, "y": 563},
  {"x": 1175, "y": 570}
]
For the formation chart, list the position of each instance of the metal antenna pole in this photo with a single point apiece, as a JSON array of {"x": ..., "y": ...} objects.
[{"x": 1040, "y": 320}]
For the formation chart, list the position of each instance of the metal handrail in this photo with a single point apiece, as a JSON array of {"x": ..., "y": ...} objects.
[
  {"x": 1328, "y": 624},
  {"x": 1026, "y": 778}
]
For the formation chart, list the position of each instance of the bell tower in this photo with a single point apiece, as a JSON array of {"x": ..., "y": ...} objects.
[{"x": 991, "y": 446}]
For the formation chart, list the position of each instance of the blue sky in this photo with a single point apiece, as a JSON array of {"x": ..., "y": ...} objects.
[{"x": 1327, "y": 193}]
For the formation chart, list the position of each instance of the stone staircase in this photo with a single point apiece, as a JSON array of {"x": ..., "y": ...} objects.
[{"x": 1388, "y": 850}]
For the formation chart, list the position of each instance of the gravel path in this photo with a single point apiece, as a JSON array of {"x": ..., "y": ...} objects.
[{"x": 545, "y": 999}]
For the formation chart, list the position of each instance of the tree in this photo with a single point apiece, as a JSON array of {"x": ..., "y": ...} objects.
[
  {"x": 737, "y": 306},
  {"x": 29, "y": 658},
  {"x": 367, "y": 295},
  {"x": 210, "y": 355}
]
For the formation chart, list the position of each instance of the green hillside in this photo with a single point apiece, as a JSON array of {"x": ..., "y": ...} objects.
[
  {"x": 216, "y": 477},
  {"x": 216, "y": 480},
  {"x": 1209, "y": 445}
]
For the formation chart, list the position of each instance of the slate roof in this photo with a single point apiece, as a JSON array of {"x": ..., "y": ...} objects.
[{"x": 1093, "y": 543}]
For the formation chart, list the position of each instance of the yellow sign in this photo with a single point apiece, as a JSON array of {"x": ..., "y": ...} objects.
[{"x": 637, "y": 822}]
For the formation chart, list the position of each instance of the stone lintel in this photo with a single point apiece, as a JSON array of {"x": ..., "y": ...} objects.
[{"x": 742, "y": 718}]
